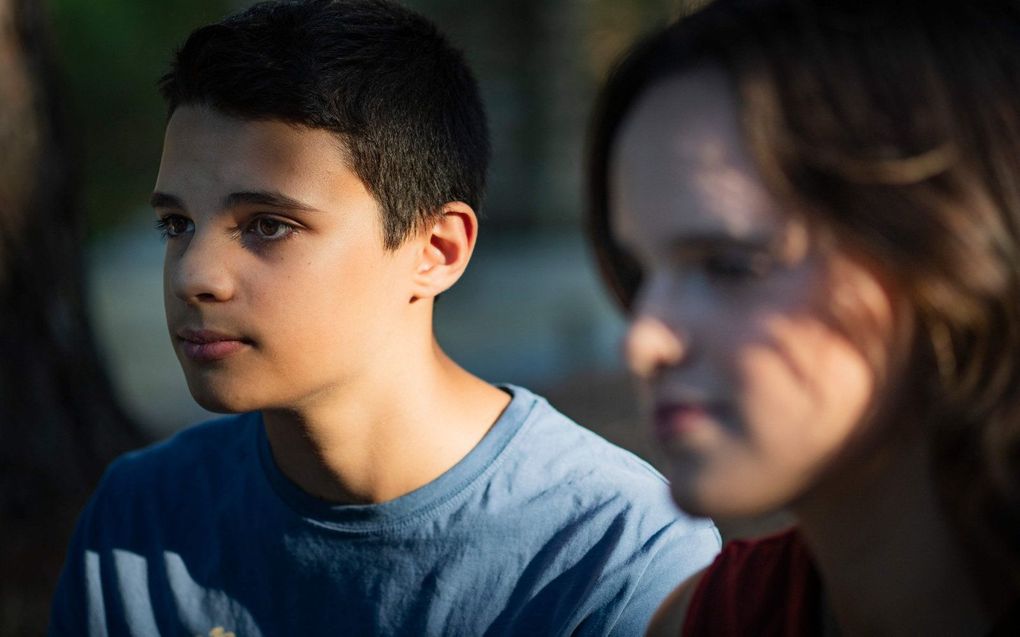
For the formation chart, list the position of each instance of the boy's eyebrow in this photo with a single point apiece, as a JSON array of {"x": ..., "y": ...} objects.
[
  {"x": 163, "y": 200},
  {"x": 251, "y": 197},
  {"x": 265, "y": 198}
]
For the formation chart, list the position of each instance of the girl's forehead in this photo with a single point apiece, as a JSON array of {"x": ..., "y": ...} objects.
[
  {"x": 679, "y": 165},
  {"x": 699, "y": 102}
]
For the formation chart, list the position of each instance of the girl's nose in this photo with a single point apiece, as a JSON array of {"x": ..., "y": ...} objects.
[{"x": 651, "y": 345}]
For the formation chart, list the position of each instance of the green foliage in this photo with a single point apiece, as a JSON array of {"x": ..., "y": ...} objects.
[{"x": 111, "y": 53}]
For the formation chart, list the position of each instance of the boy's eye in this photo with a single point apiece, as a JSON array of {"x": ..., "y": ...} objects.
[
  {"x": 269, "y": 229},
  {"x": 172, "y": 226}
]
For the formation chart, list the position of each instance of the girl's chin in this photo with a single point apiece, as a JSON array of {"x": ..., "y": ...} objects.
[{"x": 729, "y": 502}]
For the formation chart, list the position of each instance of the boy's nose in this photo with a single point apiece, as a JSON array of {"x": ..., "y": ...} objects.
[{"x": 199, "y": 274}]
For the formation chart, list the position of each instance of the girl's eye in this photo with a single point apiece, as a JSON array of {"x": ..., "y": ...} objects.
[
  {"x": 738, "y": 267},
  {"x": 270, "y": 229},
  {"x": 173, "y": 226}
]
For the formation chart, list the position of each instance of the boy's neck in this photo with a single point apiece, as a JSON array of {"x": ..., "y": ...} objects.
[
  {"x": 888, "y": 559},
  {"x": 381, "y": 438}
]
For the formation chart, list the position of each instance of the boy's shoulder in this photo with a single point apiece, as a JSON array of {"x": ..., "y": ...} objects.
[
  {"x": 201, "y": 455},
  {"x": 198, "y": 443},
  {"x": 570, "y": 471},
  {"x": 552, "y": 441},
  {"x": 608, "y": 502}
]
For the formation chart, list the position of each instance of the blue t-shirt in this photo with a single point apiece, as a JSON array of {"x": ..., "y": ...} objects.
[{"x": 543, "y": 529}]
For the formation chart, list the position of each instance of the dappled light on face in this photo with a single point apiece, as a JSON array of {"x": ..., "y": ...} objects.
[
  {"x": 870, "y": 312},
  {"x": 724, "y": 182},
  {"x": 703, "y": 158},
  {"x": 756, "y": 389}
]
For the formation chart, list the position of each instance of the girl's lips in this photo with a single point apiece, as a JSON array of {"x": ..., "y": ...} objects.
[{"x": 673, "y": 420}]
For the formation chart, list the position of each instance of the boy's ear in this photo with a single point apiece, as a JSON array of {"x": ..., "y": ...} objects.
[{"x": 446, "y": 248}]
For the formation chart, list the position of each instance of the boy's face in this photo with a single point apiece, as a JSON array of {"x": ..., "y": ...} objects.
[{"x": 278, "y": 289}]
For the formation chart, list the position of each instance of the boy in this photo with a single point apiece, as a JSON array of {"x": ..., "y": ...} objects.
[{"x": 322, "y": 164}]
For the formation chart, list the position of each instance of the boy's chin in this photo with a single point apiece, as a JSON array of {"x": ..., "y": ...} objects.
[{"x": 221, "y": 402}]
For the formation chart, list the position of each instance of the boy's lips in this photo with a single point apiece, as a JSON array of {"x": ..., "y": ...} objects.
[{"x": 204, "y": 345}]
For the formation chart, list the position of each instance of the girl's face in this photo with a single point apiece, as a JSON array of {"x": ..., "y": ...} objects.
[{"x": 753, "y": 386}]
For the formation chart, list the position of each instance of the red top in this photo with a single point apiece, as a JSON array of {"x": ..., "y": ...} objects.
[{"x": 765, "y": 587}]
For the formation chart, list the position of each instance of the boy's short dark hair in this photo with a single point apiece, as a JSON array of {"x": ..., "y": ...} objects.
[{"x": 398, "y": 96}]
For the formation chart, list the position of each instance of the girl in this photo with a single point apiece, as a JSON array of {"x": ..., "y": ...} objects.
[{"x": 811, "y": 213}]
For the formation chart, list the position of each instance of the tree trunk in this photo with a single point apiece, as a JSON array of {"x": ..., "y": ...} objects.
[{"x": 60, "y": 422}]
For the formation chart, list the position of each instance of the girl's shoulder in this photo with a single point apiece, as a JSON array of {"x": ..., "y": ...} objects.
[
  {"x": 761, "y": 586},
  {"x": 668, "y": 621}
]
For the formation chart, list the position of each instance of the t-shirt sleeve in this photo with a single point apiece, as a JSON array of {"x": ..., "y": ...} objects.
[
  {"x": 78, "y": 606},
  {"x": 72, "y": 612},
  {"x": 679, "y": 551}
]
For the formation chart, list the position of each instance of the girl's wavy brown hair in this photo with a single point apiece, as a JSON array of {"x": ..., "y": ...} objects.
[{"x": 893, "y": 130}]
